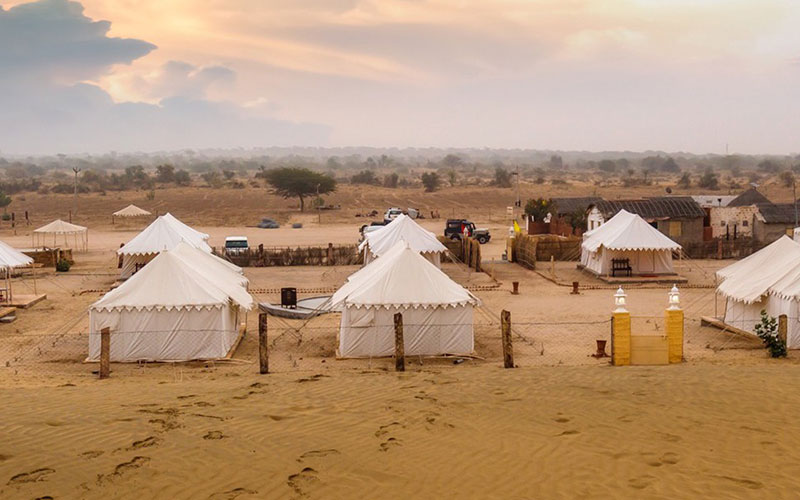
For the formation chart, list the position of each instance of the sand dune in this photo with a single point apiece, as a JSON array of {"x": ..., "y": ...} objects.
[{"x": 466, "y": 432}]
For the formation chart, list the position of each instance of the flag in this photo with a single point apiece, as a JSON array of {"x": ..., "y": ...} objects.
[{"x": 516, "y": 227}]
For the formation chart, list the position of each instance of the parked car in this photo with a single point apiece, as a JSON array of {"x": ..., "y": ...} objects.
[
  {"x": 376, "y": 225},
  {"x": 391, "y": 214},
  {"x": 456, "y": 228},
  {"x": 235, "y": 245},
  {"x": 267, "y": 223}
]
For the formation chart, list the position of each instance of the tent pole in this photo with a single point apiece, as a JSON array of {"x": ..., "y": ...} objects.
[{"x": 33, "y": 272}]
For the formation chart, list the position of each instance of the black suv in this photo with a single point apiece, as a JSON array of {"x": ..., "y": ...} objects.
[{"x": 454, "y": 230}]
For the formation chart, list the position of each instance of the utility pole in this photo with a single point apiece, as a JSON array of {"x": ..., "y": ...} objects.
[
  {"x": 519, "y": 202},
  {"x": 75, "y": 191},
  {"x": 794, "y": 196},
  {"x": 319, "y": 208}
]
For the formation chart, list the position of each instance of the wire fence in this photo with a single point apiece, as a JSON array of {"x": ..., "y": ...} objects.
[{"x": 316, "y": 346}]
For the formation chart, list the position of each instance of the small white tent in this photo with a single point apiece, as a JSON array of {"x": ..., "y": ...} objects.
[
  {"x": 11, "y": 258},
  {"x": 437, "y": 311},
  {"x": 768, "y": 280},
  {"x": 403, "y": 228},
  {"x": 79, "y": 235},
  {"x": 163, "y": 234},
  {"x": 183, "y": 305},
  {"x": 130, "y": 211},
  {"x": 627, "y": 236}
]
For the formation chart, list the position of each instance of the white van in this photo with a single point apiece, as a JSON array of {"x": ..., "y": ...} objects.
[{"x": 235, "y": 245}]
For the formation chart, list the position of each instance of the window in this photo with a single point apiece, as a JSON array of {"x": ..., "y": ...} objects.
[
  {"x": 722, "y": 223},
  {"x": 744, "y": 223},
  {"x": 675, "y": 229}
]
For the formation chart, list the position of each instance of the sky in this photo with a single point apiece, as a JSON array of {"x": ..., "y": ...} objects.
[{"x": 149, "y": 75}]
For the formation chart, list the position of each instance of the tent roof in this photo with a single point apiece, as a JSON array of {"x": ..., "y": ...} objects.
[
  {"x": 131, "y": 211},
  {"x": 627, "y": 231},
  {"x": 402, "y": 278},
  {"x": 59, "y": 226},
  {"x": 402, "y": 228},
  {"x": 775, "y": 269},
  {"x": 207, "y": 263},
  {"x": 173, "y": 281},
  {"x": 164, "y": 233},
  {"x": 11, "y": 257}
]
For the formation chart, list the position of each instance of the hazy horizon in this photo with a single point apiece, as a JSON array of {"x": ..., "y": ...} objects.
[{"x": 547, "y": 75}]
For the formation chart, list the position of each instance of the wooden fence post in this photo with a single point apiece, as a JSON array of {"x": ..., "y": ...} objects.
[
  {"x": 783, "y": 327},
  {"x": 330, "y": 254},
  {"x": 105, "y": 352},
  {"x": 263, "y": 353},
  {"x": 399, "y": 347},
  {"x": 508, "y": 349}
]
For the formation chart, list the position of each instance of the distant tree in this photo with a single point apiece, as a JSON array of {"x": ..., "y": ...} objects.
[
  {"x": 556, "y": 163},
  {"x": 607, "y": 166},
  {"x": 787, "y": 178},
  {"x": 431, "y": 181},
  {"x": 539, "y": 208},
  {"x": 768, "y": 166},
  {"x": 452, "y": 176},
  {"x": 685, "y": 182},
  {"x": 333, "y": 163},
  {"x": 670, "y": 165},
  {"x": 297, "y": 182},
  {"x": 391, "y": 180},
  {"x": 623, "y": 163},
  {"x": 182, "y": 178},
  {"x": 577, "y": 219},
  {"x": 709, "y": 180},
  {"x": 213, "y": 179},
  {"x": 165, "y": 173},
  {"x": 365, "y": 177},
  {"x": 502, "y": 177},
  {"x": 228, "y": 174},
  {"x": 5, "y": 201},
  {"x": 452, "y": 161}
]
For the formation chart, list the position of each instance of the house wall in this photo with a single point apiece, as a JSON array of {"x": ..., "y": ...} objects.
[
  {"x": 767, "y": 233},
  {"x": 594, "y": 220},
  {"x": 723, "y": 220},
  {"x": 691, "y": 230}
]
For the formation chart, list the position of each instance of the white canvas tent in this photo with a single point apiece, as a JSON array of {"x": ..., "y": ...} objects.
[
  {"x": 130, "y": 211},
  {"x": 437, "y": 311},
  {"x": 627, "y": 236},
  {"x": 73, "y": 235},
  {"x": 11, "y": 258},
  {"x": 183, "y": 305},
  {"x": 768, "y": 280},
  {"x": 403, "y": 228},
  {"x": 163, "y": 234}
]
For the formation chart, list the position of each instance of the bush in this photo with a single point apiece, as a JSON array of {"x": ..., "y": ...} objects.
[
  {"x": 539, "y": 208},
  {"x": 767, "y": 331},
  {"x": 63, "y": 265}
]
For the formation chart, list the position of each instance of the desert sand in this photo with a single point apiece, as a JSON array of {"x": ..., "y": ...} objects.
[{"x": 561, "y": 425}]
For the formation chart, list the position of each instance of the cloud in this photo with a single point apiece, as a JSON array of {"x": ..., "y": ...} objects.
[{"x": 51, "y": 53}]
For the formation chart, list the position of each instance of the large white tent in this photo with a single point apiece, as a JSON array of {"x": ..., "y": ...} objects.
[
  {"x": 72, "y": 234},
  {"x": 11, "y": 258},
  {"x": 162, "y": 234},
  {"x": 183, "y": 305},
  {"x": 403, "y": 228},
  {"x": 437, "y": 311},
  {"x": 628, "y": 236},
  {"x": 768, "y": 280}
]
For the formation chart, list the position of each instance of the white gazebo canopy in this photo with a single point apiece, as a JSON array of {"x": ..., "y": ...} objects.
[
  {"x": 403, "y": 228},
  {"x": 131, "y": 211},
  {"x": 79, "y": 234},
  {"x": 628, "y": 236},
  {"x": 11, "y": 258}
]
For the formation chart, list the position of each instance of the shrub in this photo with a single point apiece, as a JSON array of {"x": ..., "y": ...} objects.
[
  {"x": 539, "y": 208},
  {"x": 767, "y": 331},
  {"x": 63, "y": 265}
]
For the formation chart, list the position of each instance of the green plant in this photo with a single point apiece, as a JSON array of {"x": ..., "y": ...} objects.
[
  {"x": 431, "y": 181},
  {"x": 767, "y": 331},
  {"x": 63, "y": 265},
  {"x": 539, "y": 208}
]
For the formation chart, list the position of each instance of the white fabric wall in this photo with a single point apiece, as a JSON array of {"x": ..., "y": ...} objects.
[
  {"x": 129, "y": 264},
  {"x": 433, "y": 258},
  {"x": 746, "y": 316},
  {"x": 165, "y": 335},
  {"x": 642, "y": 261},
  {"x": 369, "y": 332}
]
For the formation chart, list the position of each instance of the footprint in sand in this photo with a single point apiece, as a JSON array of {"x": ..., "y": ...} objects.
[
  {"x": 747, "y": 483},
  {"x": 124, "y": 468},
  {"x": 561, "y": 420},
  {"x": 213, "y": 435},
  {"x": 317, "y": 454},
  {"x": 278, "y": 418},
  {"x": 386, "y": 429},
  {"x": 390, "y": 443},
  {"x": 203, "y": 404},
  {"x": 570, "y": 432},
  {"x": 3, "y": 458},
  {"x": 32, "y": 476},
  {"x": 641, "y": 482},
  {"x": 303, "y": 481},
  {"x": 231, "y": 494},
  {"x": 188, "y": 396},
  {"x": 144, "y": 443},
  {"x": 46, "y": 497},
  {"x": 91, "y": 454}
]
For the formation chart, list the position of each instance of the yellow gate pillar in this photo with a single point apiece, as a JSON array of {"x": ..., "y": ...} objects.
[
  {"x": 621, "y": 332},
  {"x": 673, "y": 317}
]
